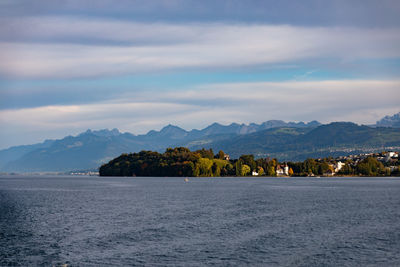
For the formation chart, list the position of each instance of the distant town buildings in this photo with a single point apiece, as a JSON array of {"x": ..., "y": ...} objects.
[
  {"x": 336, "y": 166},
  {"x": 386, "y": 156}
]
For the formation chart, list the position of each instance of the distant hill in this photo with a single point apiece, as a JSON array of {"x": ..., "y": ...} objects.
[
  {"x": 16, "y": 152},
  {"x": 334, "y": 139},
  {"x": 286, "y": 141}
]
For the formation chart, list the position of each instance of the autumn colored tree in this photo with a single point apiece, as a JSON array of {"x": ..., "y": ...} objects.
[
  {"x": 260, "y": 171},
  {"x": 204, "y": 153},
  {"x": 205, "y": 167},
  {"x": 245, "y": 170}
]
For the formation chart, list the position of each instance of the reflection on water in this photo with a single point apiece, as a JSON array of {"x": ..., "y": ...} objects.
[{"x": 224, "y": 221}]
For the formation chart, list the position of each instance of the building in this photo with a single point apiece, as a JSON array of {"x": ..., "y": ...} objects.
[
  {"x": 286, "y": 170},
  {"x": 338, "y": 166},
  {"x": 282, "y": 170},
  {"x": 391, "y": 155}
]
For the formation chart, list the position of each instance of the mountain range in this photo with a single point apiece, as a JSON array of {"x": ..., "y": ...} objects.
[{"x": 274, "y": 138}]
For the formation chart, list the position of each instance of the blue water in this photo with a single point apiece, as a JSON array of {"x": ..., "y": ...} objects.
[{"x": 94, "y": 221}]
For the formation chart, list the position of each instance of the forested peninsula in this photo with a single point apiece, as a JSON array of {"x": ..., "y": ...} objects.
[{"x": 181, "y": 162}]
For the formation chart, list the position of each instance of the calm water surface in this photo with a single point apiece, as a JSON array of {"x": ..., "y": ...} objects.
[{"x": 92, "y": 221}]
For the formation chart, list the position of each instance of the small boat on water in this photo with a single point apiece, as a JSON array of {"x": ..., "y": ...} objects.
[{"x": 186, "y": 179}]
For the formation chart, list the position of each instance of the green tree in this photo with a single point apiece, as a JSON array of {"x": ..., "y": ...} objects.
[
  {"x": 204, "y": 153},
  {"x": 196, "y": 170},
  {"x": 249, "y": 161},
  {"x": 245, "y": 170},
  {"x": 271, "y": 171},
  {"x": 323, "y": 168},
  {"x": 220, "y": 155},
  {"x": 205, "y": 166},
  {"x": 271, "y": 167},
  {"x": 310, "y": 166},
  {"x": 260, "y": 171},
  {"x": 230, "y": 169},
  {"x": 370, "y": 166},
  {"x": 238, "y": 168},
  {"x": 216, "y": 170},
  {"x": 346, "y": 169}
]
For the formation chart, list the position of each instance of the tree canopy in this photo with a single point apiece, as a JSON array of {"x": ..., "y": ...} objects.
[{"x": 180, "y": 161}]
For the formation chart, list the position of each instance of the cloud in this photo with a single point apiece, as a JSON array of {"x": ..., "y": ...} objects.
[
  {"x": 362, "y": 101},
  {"x": 305, "y": 12},
  {"x": 52, "y": 47}
]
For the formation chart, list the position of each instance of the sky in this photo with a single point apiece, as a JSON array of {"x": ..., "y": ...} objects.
[{"x": 67, "y": 66}]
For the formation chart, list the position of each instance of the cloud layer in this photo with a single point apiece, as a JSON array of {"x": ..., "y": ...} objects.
[
  {"x": 305, "y": 12},
  {"x": 50, "y": 47}
]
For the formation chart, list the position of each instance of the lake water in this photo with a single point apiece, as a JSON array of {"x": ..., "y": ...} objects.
[{"x": 94, "y": 221}]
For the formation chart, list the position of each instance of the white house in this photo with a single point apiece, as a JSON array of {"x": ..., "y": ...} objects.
[
  {"x": 339, "y": 165},
  {"x": 286, "y": 170},
  {"x": 390, "y": 155},
  {"x": 282, "y": 170}
]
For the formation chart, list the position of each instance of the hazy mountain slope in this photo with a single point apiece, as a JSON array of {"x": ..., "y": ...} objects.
[
  {"x": 389, "y": 121},
  {"x": 240, "y": 129},
  {"x": 24, "y": 152},
  {"x": 347, "y": 133},
  {"x": 300, "y": 143},
  {"x": 15, "y": 152},
  {"x": 257, "y": 143},
  {"x": 73, "y": 153}
]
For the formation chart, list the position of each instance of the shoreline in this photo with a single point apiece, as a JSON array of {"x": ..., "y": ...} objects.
[{"x": 55, "y": 175}]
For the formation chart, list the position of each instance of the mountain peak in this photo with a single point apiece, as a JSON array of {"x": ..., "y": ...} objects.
[
  {"x": 171, "y": 127},
  {"x": 217, "y": 128},
  {"x": 215, "y": 124},
  {"x": 314, "y": 123},
  {"x": 102, "y": 132},
  {"x": 171, "y": 131}
]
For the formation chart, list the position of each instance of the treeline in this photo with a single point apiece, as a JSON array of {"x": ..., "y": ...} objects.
[
  {"x": 181, "y": 161},
  {"x": 369, "y": 166}
]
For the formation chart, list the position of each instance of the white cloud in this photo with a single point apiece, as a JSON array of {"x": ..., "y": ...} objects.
[{"x": 75, "y": 47}]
